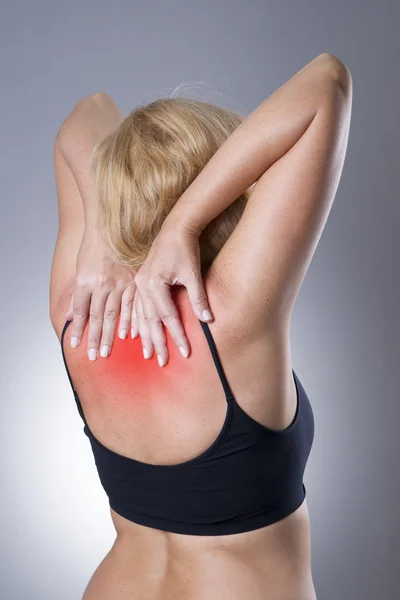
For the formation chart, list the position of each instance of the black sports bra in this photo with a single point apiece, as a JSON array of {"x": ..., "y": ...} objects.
[{"x": 250, "y": 476}]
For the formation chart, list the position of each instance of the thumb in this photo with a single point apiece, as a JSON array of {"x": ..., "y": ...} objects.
[
  {"x": 69, "y": 314},
  {"x": 199, "y": 301}
]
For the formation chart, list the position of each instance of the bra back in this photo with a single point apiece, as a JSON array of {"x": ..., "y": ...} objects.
[{"x": 250, "y": 477}]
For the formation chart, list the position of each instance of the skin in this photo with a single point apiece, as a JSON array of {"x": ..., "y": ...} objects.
[
  {"x": 103, "y": 289},
  {"x": 146, "y": 412},
  {"x": 292, "y": 148}
]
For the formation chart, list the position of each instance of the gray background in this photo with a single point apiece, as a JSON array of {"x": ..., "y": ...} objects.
[{"x": 54, "y": 520}]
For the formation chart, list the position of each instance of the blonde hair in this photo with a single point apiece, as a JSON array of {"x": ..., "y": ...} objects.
[{"x": 146, "y": 163}]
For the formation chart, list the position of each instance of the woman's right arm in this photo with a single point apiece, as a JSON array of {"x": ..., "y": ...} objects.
[
  {"x": 266, "y": 135},
  {"x": 293, "y": 146}
]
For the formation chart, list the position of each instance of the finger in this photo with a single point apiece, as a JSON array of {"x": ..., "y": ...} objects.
[
  {"x": 168, "y": 312},
  {"x": 154, "y": 324},
  {"x": 197, "y": 295},
  {"x": 148, "y": 348},
  {"x": 134, "y": 320},
  {"x": 80, "y": 311},
  {"x": 126, "y": 310},
  {"x": 96, "y": 320},
  {"x": 111, "y": 314}
]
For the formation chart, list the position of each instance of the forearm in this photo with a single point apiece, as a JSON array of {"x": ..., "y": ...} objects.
[
  {"x": 89, "y": 122},
  {"x": 259, "y": 141}
]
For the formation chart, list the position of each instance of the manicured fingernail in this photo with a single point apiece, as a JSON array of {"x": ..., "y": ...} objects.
[
  {"x": 145, "y": 353},
  {"x": 104, "y": 351},
  {"x": 160, "y": 360},
  {"x": 183, "y": 351},
  {"x": 134, "y": 333},
  {"x": 206, "y": 315},
  {"x": 122, "y": 334},
  {"x": 74, "y": 342},
  {"x": 92, "y": 353}
]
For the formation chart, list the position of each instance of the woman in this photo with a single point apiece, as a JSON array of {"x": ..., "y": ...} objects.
[{"x": 202, "y": 459}]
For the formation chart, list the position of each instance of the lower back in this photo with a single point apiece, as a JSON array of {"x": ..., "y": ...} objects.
[{"x": 272, "y": 563}]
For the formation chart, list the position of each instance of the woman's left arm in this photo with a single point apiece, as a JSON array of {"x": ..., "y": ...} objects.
[
  {"x": 100, "y": 284},
  {"x": 90, "y": 121}
]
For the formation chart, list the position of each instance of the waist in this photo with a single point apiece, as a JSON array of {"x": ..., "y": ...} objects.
[{"x": 276, "y": 557}]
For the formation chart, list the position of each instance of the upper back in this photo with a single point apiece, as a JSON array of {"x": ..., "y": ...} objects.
[
  {"x": 208, "y": 448},
  {"x": 171, "y": 414}
]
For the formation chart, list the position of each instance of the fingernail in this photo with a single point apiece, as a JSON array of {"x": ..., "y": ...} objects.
[
  {"x": 92, "y": 353},
  {"x": 183, "y": 351},
  {"x": 104, "y": 351},
  {"x": 134, "y": 333},
  {"x": 206, "y": 315},
  {"x": 74, "y": 342},
  {"x": 160, "y": 360},
  {"x": 122, "y": 333},
  {"x": 145, "y": 353}
]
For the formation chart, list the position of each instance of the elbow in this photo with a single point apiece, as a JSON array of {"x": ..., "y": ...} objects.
[
  {"x": 337, "y": 70},
  {"x": 98, "y": 99}
]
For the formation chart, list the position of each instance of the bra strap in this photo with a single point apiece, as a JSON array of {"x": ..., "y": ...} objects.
[
  {"x": 78, "y": 403},
  {"x": 217, "y": 361}
]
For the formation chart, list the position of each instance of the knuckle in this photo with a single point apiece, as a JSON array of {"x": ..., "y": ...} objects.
[
  {"x": 159, "y": 280},
  {"x": 194, "y": 274},
  {"x": 81, "y": 280},
  {"x": 79, "y": 314},
  {"x": 102, "y": 280},
  {"x": 168, "y": 319},
  {"x": 112, "y": 314},
  {"x": 128, "y": 302},
  {"x": 96, "y": 318},
  {"x": 154, "y": 282},
  {"x": 152, "y": 320},
  {"x": 201, "y": 299},
  {"x": 160, "y": 347}
]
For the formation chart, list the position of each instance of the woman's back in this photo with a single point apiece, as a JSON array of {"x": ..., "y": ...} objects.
[
  {"x": 172, "y": 414},
  {"x": 203, "y": 459}
]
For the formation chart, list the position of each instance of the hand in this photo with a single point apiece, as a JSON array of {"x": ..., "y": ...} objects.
[
  {"x": 103, "y": 288},
  {"x": 174, "y": 258}
]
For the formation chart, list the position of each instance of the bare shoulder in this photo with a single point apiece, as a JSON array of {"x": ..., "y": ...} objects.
[{"x": 232, "y": 321}]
